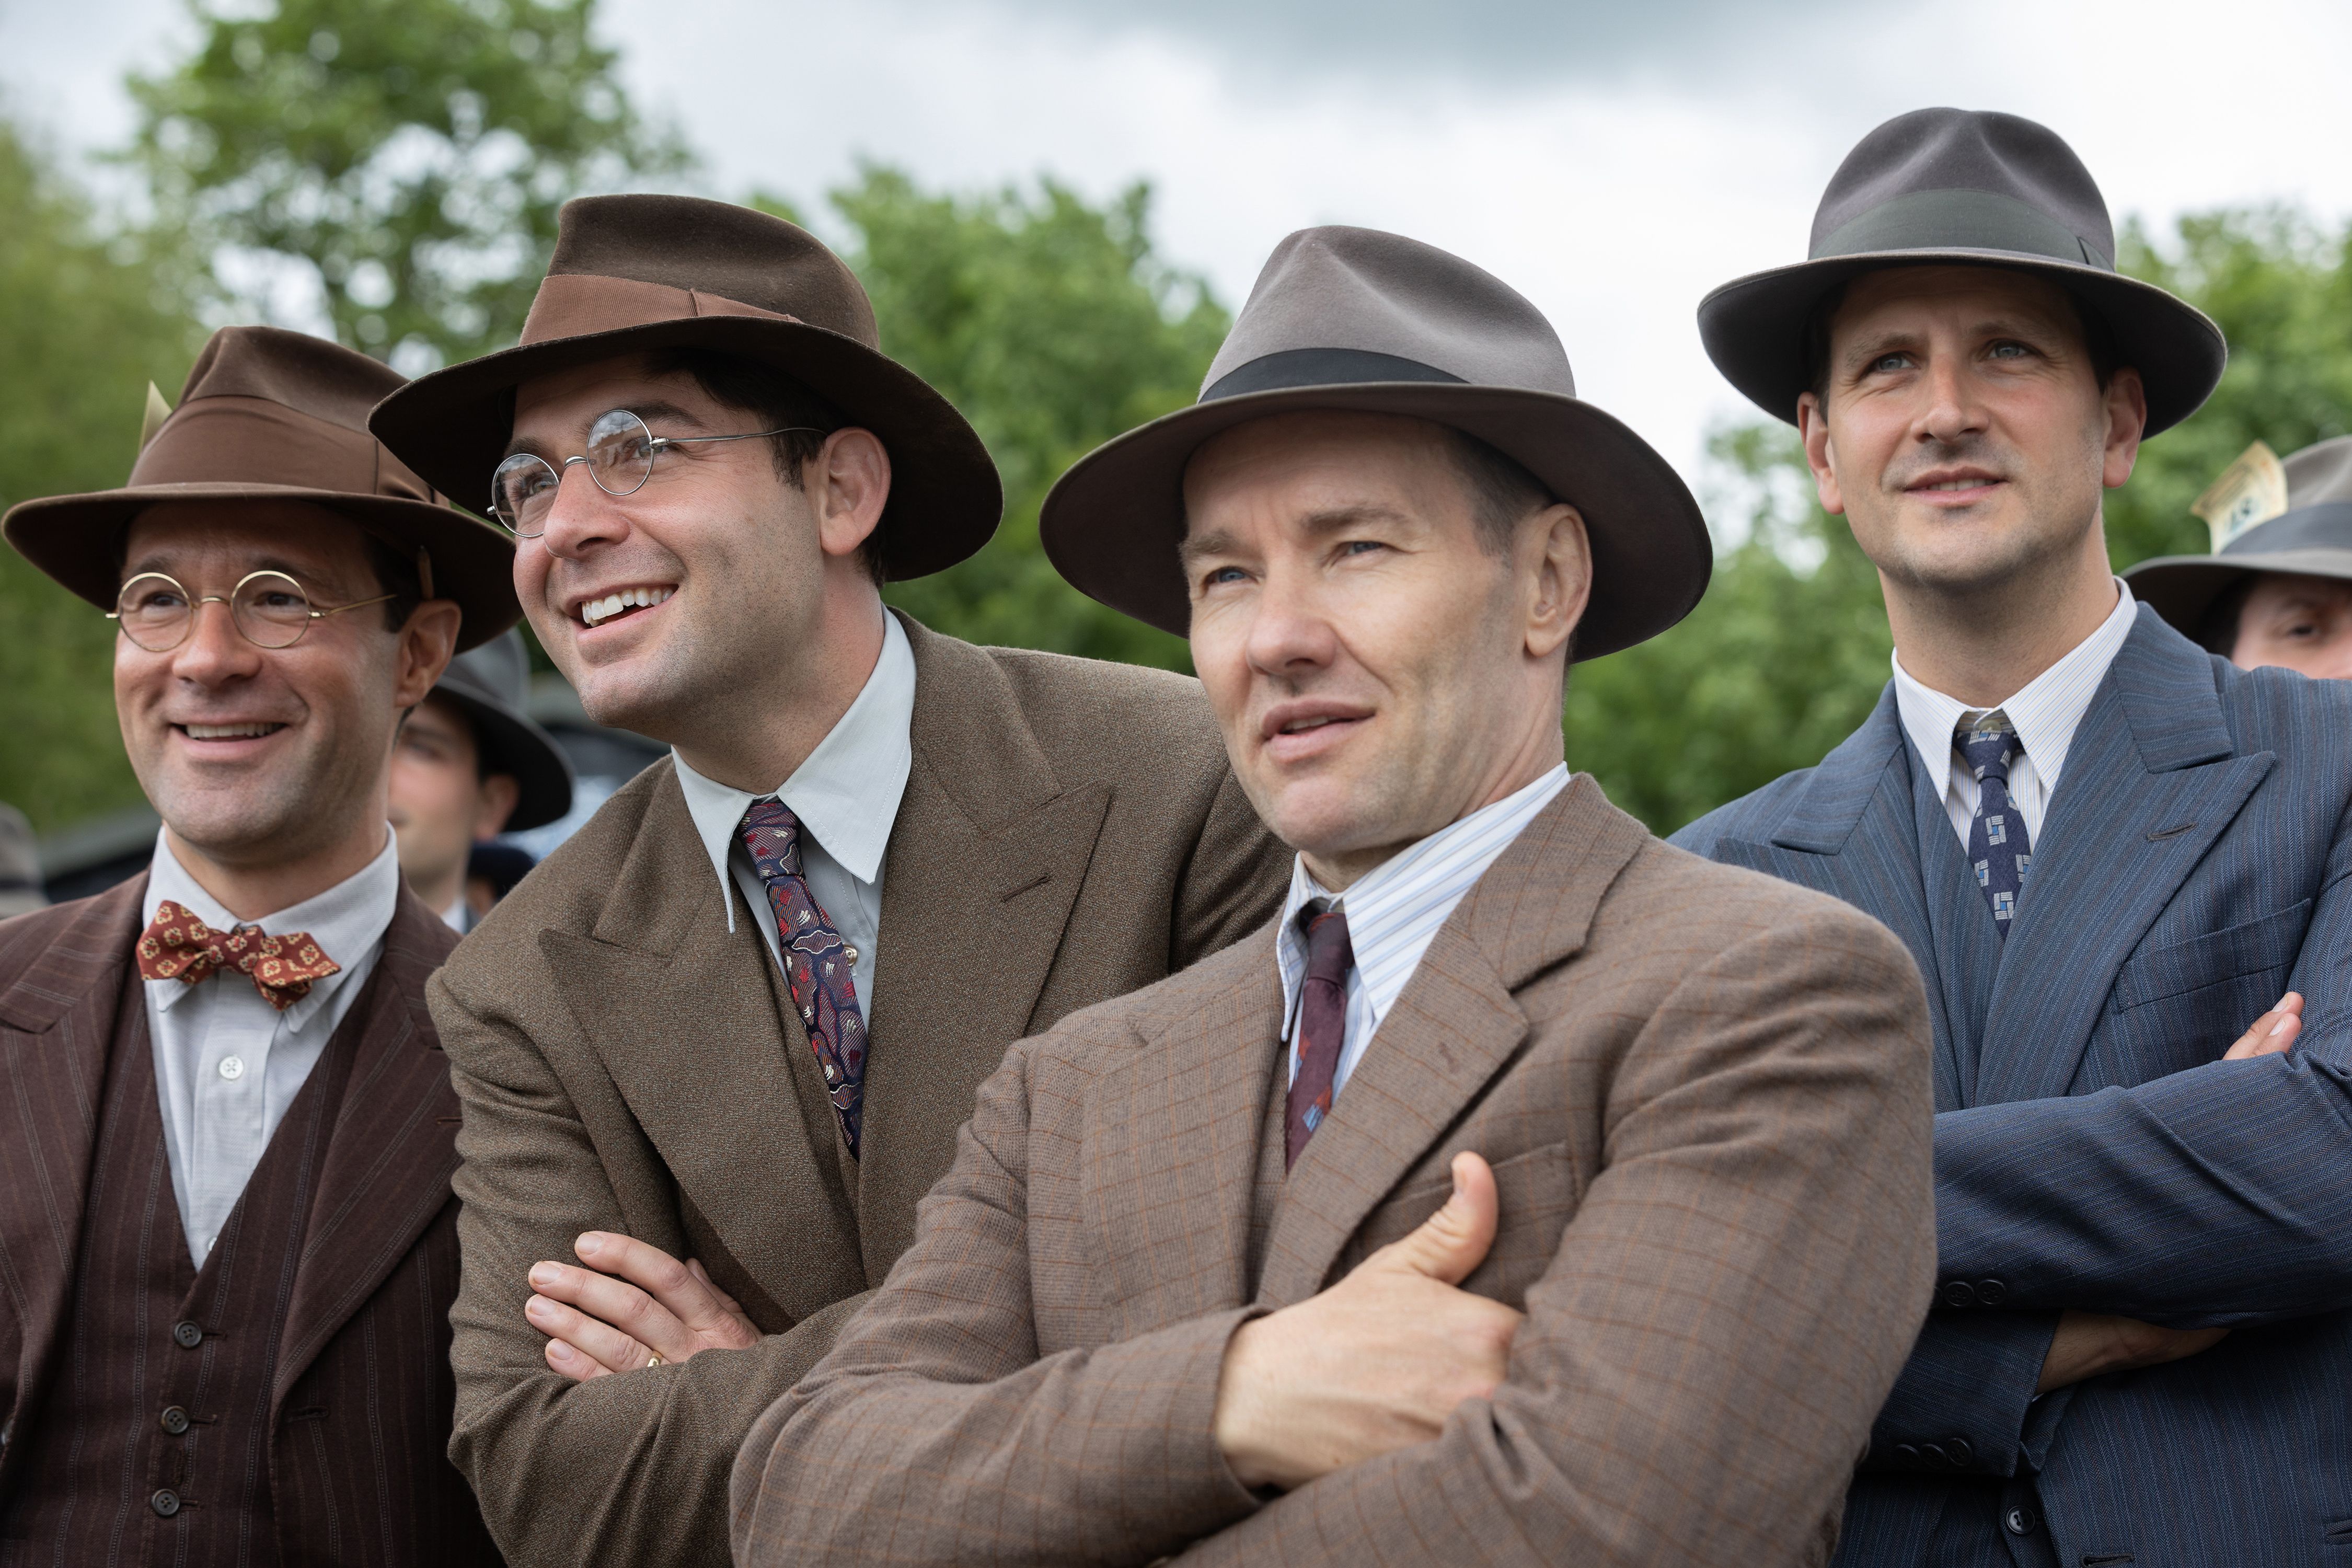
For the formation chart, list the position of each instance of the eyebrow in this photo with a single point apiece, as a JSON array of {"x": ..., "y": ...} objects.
[
  {"x": 1318, "y": 524},
  {"x": 153, "y": 561}
]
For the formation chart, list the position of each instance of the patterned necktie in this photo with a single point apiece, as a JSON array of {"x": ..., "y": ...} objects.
[
  {"x": 176, "y": 945},
  {"x": 1322, "y": 1025},
  {"x": 816, "y": 963},
  {"x": 1998, "y": 847}
]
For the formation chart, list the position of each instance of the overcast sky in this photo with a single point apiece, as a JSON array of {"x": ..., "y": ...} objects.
[{"x": 1611, "y": 161}]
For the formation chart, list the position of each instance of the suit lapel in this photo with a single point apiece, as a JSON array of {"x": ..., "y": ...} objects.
[
  {"x": 1455, "y": 1026},
  {"x": 684, "y": 1014},
  {"x": 387, "y": 1165},
  {"x": 2152, "y": 779},
  {"x": 56, "y": 1023}
]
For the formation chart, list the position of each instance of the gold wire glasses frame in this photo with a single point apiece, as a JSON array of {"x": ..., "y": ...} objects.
[
  {"x": 269, "y": 608},
  {"x": 619, "y": 458}
]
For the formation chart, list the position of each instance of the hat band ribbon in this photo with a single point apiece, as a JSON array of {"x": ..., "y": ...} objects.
[
  {"x": 578, "y": 304},
  {"x": 233, "y": 439},
  {"x": 1320, "y": 367},
  {"x": 2326, "y": 525},
  {"x": 1959, "y": 220}
]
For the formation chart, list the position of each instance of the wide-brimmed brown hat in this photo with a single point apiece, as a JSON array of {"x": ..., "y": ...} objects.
[
  {"x": 1952, "y": 186},
  {"x": 2312, "y": 538},
  {"x": 491, "y": 687},
  {"x": 634, "y": 273},
  {"x": 269, "y": 414},
  {"x": 1356, "y": 320}
]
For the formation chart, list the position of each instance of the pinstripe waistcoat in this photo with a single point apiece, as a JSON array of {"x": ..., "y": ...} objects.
[
  {"x": 290, "y": 1401},
  {"x": 2092, "y": 1151}
]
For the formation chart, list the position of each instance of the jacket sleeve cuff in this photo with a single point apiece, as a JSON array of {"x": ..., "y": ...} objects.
[{"x": 1961, "y": 1404}]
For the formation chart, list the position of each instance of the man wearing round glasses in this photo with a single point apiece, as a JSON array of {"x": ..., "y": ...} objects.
[
  {"x": 684, "y": 1164},
  {"x": 225, "y": 1212}
]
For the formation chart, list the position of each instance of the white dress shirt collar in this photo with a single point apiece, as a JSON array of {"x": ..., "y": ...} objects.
[
  {"x": 348, "y": 921},
  {"x": 846, "y": 792}
]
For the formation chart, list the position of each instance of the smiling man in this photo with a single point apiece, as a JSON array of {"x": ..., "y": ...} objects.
[
  {"x": 2108, "y": 850},
  {"x": 225, "y": 1218},
  {"x": 1529, "y": 1191},
  {"x": 716, "y": 1048}
]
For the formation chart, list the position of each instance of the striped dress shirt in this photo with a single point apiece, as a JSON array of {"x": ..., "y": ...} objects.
[
  {"x": 1394, "y": 911},
  {"x": 2044, "y": 713}
]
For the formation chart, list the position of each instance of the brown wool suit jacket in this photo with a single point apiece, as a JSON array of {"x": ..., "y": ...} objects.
[
  {"x": 1070, "y": 832},
  {"x": 360, "y": 1393},
  {"x": 1705, "y": 1098}
]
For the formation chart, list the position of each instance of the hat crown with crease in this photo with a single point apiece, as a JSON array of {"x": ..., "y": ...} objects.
[{"x": 2312, "y": 538}]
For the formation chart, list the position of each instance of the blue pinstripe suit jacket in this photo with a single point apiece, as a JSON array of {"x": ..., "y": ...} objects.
[{"x": 2092, "y": 1150}]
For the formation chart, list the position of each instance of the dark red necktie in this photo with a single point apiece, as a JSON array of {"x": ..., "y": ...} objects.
[
  {"x": 816, "y": 962},
  {"x": 1322, "y": 1025}
]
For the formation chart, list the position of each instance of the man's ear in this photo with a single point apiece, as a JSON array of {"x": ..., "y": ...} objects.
[
  {"x": 2126, "y": 411},
  {"x": 494, "y": 805},
  {"x": 848, "y": 484},
  {"x": 1813, "y": 428},
  {"x": 426, "y": 642},
  {"x": 1561, "y": 584}
]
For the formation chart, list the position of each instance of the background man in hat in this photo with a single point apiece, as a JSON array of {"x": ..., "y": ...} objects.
[
  {"x": 1529, "y": 1192},
  {"x": 2277, "y": 589},
  {"x": 661, "y": 1041},
  {"x": 2107, "y": 849},
  {"x": 470, "y": 766},
  {"x": 226, "y": 1219}
]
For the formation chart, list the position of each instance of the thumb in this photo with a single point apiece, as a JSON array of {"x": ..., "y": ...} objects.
[{"x": 1452, "y": 1241}]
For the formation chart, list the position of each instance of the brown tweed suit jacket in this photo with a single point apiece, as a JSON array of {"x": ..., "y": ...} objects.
[
  {"x": 359, "y": 1393},
  {"x": 1070, "y": 832},
  {"x": 1705, "y": 1098}
]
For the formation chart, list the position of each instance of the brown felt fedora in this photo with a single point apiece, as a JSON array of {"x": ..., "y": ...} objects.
[
  {"x": 1356, "y": 320},
  {"x": 1953, "y": 186},
  {"x": 2312, "y": 538},
  {"x": 634, "y": 273},
  {"x": 269, "y": 414}
]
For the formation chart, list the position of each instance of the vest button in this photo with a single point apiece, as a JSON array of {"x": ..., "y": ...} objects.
[
  {"x": 1959, "y": 1293},
  {"x": 165, "y": 1502},
  {"x": 2018, "y": 1521},
  {"x": 187, "y": 1336},
  {"x": 1991, "y": 1292},
  {"x": 175, "y": 1420}
]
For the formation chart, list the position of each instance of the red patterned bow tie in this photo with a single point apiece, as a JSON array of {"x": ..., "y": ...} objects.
[{"x": 178, "y": 946}]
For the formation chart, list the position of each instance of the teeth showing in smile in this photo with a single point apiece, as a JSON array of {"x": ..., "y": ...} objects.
[
  {"x": 229, "y": 731},
  {"x": 1959, "y": 484},
  {"x": 596, "y": 610},
  {"x": 1296, "y": 725}
]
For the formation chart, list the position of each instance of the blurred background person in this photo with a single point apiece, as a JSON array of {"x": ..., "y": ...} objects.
[
  {"x": 470, "y": 766},
  {"x": 2277, "y": 589}
]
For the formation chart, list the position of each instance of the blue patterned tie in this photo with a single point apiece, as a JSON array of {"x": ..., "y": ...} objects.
[
  {"x": 816, "y": 963},
  {"x": 1998, "y": 850}
]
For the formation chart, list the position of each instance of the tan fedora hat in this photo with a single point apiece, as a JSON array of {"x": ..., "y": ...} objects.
[
  {"x": 634, "y": 273},
  {"x": 2312, "y": 538},
  {"x": 1356, "y": 320},
  {"x": 269, "y": 414},
  {"x": 1957, "y": 187}
]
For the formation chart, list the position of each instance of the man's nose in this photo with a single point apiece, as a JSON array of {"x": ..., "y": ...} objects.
[
  {"x": 1291, "y": 628},
  {"x": 214, "y": 651},
  {"x": 581, "y": 515},
  {"x": 1953, "y": 411}
]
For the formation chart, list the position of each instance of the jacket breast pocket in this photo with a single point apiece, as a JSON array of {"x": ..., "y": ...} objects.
[
  {"x": 1537, "y": 1194},
  {"x": 2256, "y": 950}
]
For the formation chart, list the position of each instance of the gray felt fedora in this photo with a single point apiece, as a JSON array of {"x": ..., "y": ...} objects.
[
  {"x": 1356, "y": 320},
  {"x": 1955, "y": 186},
  {"x": 491, "y": 685},
  {"x": 2312, "y": 538}
]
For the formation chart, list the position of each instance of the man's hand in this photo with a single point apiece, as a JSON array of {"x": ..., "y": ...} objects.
[
  {"x": 2088, "y": 1344},
  {"x": 1379, "y": 1361},
  {"x": 2271, "y": 1033},
  {"x": 631, "y": 1304}
]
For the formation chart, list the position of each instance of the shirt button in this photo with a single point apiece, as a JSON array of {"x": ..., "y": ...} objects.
[
  {"x": 850, "y": 953},
  {"x": 175, "y": 1420},
  {"x": 2018, "y": 1521},
  {"x": 187, "y": 1336},
  {"x": 165, "y": 1501},
  {"x": 232, "y": 1067}
]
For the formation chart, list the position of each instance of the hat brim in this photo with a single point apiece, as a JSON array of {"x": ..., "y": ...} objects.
[
  {"x": 1113, "y": 523},
  {"x": 2183, "y": 589},
  {"x": 453, "y": 426},
  {"x": 76, "y": 540},
  {"x": 510, "y": 743},
  {"x": 1754, "y": 326}
]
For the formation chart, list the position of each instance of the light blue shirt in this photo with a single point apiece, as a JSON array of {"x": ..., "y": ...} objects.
[
  {"x": 1394, "y": 911},
  {"x": 847, "y": 796}
]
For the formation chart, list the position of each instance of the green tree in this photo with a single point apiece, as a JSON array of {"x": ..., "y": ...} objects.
[
  {"x": 89, "y": 315},
  {"x": 409, "y": 155},
  {"x": 1054, "y": 325}
]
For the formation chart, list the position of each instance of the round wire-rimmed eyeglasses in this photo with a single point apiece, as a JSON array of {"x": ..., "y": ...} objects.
[
  {"x": 270, "y": 609},
  {"x": 619, "y": 458}
]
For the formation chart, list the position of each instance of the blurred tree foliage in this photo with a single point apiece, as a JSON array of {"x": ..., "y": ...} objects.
[
  {"x": 89, "y": 315},
  {"x": 1054, "y": 326},
  {"x": 409, "y": 155}
]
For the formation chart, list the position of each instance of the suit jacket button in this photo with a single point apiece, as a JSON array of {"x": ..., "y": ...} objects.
[
  {"x": 187, "y": 1334},
  {"x": 175, "y": 1420},
  {"x": 1959, "y": 1451},
  {"x": 1932, "y": 1456},
  {"x": 1908, "y": 1452},
  {"x": 1959, "y": 1293},
  {"x": 2018, "y": 1521},
  {"x": 1991, "y": 1292},
  {"x": 165, "y": 1502}
]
